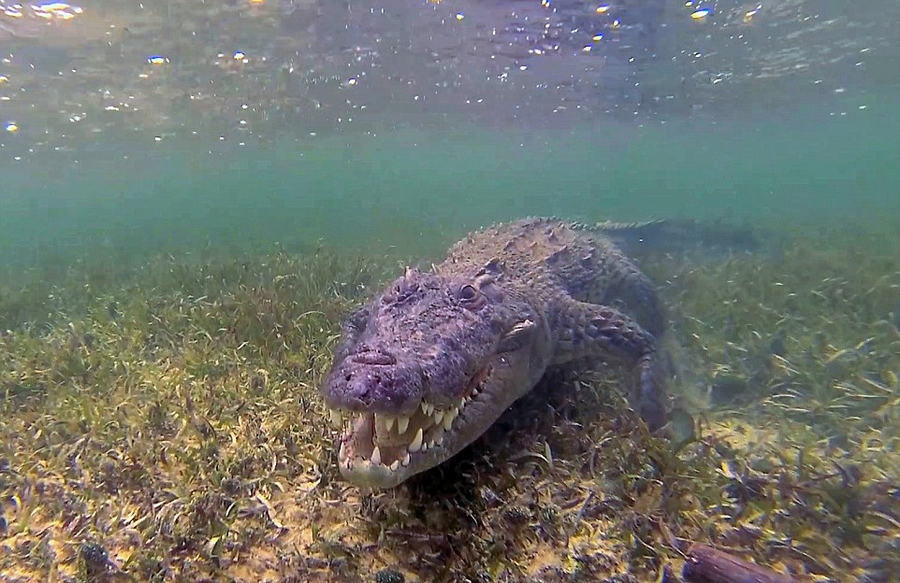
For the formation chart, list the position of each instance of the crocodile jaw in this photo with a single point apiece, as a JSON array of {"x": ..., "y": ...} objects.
[
  {"x": 374, "y": 453},
  {"x": 379, "y": 450}
]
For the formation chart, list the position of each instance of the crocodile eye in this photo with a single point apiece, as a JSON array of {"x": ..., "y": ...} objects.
[
  {"x": 470, "y": 297},
  {"x": 468, "y": 293}
]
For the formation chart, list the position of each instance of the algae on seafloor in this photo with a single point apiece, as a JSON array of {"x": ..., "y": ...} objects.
[{"x": 161, "y": 422}]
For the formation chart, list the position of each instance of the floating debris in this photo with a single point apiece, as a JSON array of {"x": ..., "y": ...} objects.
[{"x": 750, "y": 14}]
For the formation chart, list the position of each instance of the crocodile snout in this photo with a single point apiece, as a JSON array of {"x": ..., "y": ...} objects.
[
  {"x": 373, "y": 357},
  {"x": 375, "y": 381}
]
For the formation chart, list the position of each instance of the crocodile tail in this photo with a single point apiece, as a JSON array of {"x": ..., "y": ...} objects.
[{"x": 677, "y": 234}]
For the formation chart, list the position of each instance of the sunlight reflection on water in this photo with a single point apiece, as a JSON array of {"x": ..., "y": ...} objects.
[{"x": 251, "y": 71}]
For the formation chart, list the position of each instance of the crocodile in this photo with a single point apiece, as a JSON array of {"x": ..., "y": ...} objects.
[{"x": 430, "y": 363}]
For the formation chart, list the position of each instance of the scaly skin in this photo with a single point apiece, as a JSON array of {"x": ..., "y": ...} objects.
[{"x": 427, "y": 366}]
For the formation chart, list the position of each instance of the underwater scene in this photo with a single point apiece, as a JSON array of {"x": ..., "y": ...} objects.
[{"x": 477, "y": 291}]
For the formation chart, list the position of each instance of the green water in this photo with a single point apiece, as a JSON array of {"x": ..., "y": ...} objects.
[
  {"x": 401, "y": 126},
  {"x": 418, "y": 190}
]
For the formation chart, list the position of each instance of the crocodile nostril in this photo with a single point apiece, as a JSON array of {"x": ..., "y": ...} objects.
[{"x": 374, "y": 357}]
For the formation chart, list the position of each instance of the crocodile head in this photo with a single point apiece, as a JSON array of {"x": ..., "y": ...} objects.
[{"x": 426, "y": 368}]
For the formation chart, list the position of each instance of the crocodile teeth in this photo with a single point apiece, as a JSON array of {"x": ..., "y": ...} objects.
[
  {"x": 406, "y": 460},
  {"x": 402, "y": 424},
  {"x": 376, "y": 456},
  {"x": 438, "y": 417},
  {"x": 395, "y": 466},
  {"x": 449, "y": 417},
  {"x": 389, "y": 422},
  {"x": 416, "y": 444}
]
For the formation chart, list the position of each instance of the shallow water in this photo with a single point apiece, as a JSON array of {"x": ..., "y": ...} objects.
[
  {"x": 408, "y": 114},
  {"x": 414, "y": 187},
  {"x": 193, "y": 192}
]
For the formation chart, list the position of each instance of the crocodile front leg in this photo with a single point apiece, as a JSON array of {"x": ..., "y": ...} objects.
[{"x": 586, "y": 330}]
